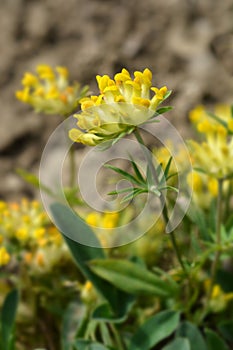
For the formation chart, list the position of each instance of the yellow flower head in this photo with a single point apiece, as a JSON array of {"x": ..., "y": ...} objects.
[
  {"x": 123, "y": 103},
  {"x": 214, "y": 154},
  {"x": 220, "y": 121},
  {"x": 50, "y": 92}
]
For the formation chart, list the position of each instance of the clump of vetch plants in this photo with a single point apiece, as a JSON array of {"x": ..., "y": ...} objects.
[{"x": 169, "y": 289}]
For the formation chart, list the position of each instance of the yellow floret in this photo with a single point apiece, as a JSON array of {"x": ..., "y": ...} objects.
[
  {"x": 45, "y": 72},
  {"x": 196, "y": 114},
  {"x": 22, "y": 234},
  {"x": 213, "y": 186},
  {"x": 4, "y": 256},
  {"x": 39, "y": 232},
  {"x": 29, "y": 79},
  {"x": 63, "y": 71},
  {"x": 92, "y": 219}
]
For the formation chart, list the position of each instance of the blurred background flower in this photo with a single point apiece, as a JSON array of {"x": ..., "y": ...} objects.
[{"x": 50, "y": 92}]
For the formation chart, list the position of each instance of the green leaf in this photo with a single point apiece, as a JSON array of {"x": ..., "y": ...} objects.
[
  {"x": 122, "y": 134},
  {"x": 217, "y": 119},
  {"x": 198, "y": 217},
  {"x": 167, "y": 168},
  {"x": 71, "y": 225},
  {"x": 135, "y": 192},
  {"x": 33, "y": 180},
  {"x": 82, "y": 344},
  {"x": 171, "y": 188},
  {"x": 178, "y": 344},
  {"x": 132, "y": 278},
  {"x": 120, "y": 191},
  {"x": 226, "y": 329},
  {"x": 154, "y": 330},
  {"x": 73, "y": 318},
  {"x": 214, "y": 342},
  {"x": 104, "y": 313},
  {"x": 190, "y": 331},
  {"x": 105, "y": 334},
  {"x": 137, "y": 172},
  {"x": 168, "y": 93},
  {"x": 8, "y": 315},
  {"x": 171, "y": 175},
  {"x": 152, "y": 120},
  {"x": 163, "y": 110},
  {"x": 123, "y": 173},
  {"x": 200, "y": 170}
]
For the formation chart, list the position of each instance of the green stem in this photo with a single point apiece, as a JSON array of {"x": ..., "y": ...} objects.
[
  {"x": 228, "y": 200},
  {"x": 215, "y": 263},
  {"x": 119, "y": 343},
  {"x": 72, "y": 166},
  {"x": 147, "y": 154},
  {"x": 218, "y": 233},
  {"x": 72, "y": 163}
]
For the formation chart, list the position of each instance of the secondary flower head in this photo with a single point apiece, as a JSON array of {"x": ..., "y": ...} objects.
[
  {"x": 26, "y": 231},
  {"x": 213, "y": 155},
  {"x": 50, "y": 92},
  {"x": 122, "y": 104},
  {"x": 207, "y": 122}
]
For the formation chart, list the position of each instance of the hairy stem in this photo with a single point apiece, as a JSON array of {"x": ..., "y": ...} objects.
[{"x": 148, "y": 156}]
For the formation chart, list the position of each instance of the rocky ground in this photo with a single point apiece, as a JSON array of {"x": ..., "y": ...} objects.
[{"x": 187, "y": 44}]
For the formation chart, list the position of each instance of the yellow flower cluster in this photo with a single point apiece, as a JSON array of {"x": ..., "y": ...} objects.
[
  {"x": 207, "y": 122},
  {"x": 50, "y": 92},
  {"x": 123, "y": 103},
  {"x": 204, "y": 187},
  {"x": 214, "y": 155},
  {"x": 104, "y": 220},
  {"x": 102, "y": 223},
  {"x": 26, "y": 226},
  {"x": 24, "y": 221}
]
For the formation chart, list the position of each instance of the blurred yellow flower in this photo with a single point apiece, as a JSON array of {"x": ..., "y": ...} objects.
[
  {"x": 123, "y": 103},
  {"x": 218, "y": 299},
  {"x": 102, "y": 220},
  {"x": 50, "y": 92},
  {"x": 4, "y": 256},
  {"x": 214, "y": 155},
  {"x": 22, "y": 234},
  {"x": 23, "y": 221},
  {"x": 204, "y": 187},
  {"x": 102, "y": 224},
  {"x": 207, "y": 122},
  {"x": 26, "y": 226}
]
